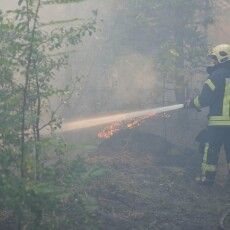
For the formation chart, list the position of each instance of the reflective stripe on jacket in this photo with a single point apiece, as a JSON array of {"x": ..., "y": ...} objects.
[{"x": 216, "y": 95}]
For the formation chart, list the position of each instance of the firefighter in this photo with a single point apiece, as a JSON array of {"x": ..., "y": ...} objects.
[{"x": 215, "y": 95}]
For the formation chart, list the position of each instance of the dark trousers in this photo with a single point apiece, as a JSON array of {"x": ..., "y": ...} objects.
[{"x": 211, "y": 141}]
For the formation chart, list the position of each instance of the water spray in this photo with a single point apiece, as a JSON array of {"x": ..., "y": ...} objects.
[{"x": 94, "y": 122}]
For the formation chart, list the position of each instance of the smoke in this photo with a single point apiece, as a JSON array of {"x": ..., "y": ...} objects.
[{"x": 116, "y": 63}]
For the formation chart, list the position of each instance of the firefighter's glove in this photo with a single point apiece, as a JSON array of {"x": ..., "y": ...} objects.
[{"x": 190, "y": 105}]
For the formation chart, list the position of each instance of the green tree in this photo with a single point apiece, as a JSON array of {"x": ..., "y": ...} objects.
[{"x": 30, "y": 56}]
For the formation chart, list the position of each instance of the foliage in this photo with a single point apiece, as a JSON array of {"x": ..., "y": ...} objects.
[
  {"x": 59, "y": 200},
  {"x": 35, "y": 190}
]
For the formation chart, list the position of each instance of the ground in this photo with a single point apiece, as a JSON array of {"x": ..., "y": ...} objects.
[
  {"x": 150, "y": 184},
  {"x": 149, "y": 180}
]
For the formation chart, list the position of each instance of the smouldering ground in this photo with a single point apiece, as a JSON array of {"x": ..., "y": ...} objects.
[{"x": 143, "y": 190}]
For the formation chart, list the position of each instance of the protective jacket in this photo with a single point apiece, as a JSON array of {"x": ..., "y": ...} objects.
[{"x": 216, "y": 95}]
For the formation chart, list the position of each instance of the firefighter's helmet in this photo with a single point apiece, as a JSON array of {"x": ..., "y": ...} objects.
[{"x": 221, "y": 53}]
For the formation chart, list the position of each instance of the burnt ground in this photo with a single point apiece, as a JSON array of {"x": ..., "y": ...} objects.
[{"x": 150, "y": 184}]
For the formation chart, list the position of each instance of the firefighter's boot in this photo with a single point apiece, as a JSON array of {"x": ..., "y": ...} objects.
[{"x": 208, "y": 179}]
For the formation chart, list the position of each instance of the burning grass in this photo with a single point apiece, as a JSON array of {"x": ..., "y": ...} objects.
[{"x": 116, "y": 127}]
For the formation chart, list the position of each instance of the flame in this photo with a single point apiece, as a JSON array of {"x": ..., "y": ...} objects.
[
  {"x": 110, "y": 131},
  {"x": 114, "y": 128}
]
